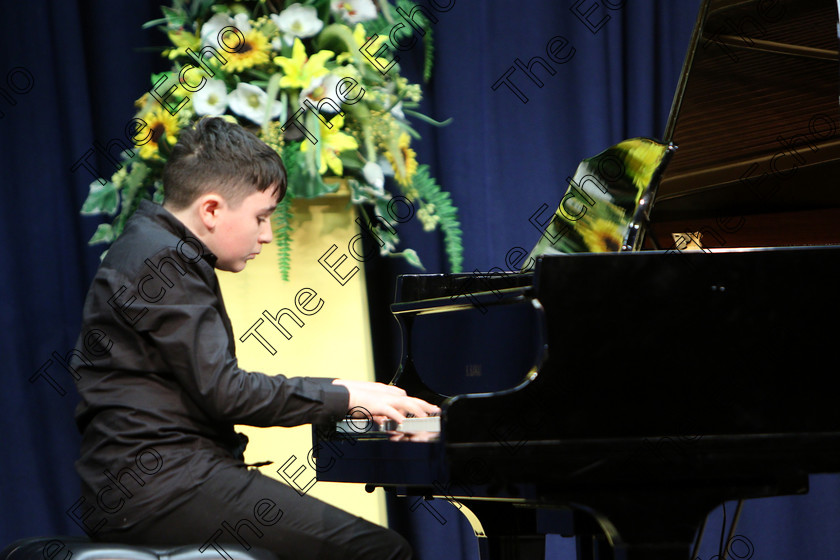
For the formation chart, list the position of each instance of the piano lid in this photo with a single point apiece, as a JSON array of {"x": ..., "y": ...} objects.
[{"x": 755, "y": 117}]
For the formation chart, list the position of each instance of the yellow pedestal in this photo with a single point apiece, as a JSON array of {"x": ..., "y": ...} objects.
[{"x": 333, "y": 342}]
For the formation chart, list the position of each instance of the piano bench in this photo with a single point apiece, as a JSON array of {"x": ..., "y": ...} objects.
[{"x": 80, "y": 548}]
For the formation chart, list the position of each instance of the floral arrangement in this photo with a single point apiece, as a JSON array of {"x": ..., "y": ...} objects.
[{"x": 315, "y": 80}]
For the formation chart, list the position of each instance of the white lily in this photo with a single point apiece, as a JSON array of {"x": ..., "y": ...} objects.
[
  {"x": 212, "y": 99},
  {"x": 374, "y": 176},
  {"x": 397, "y": 112},
  {"x": 211, "y": 28},
  {"x": 385, "y": 165},
  {"x": 297, "y": 21},
  {"x": 242, "y": 22},
  {"x": 354, "y": 11},
  {"x": 249, "y": 101},
  {"x": 319, "y": 88}
]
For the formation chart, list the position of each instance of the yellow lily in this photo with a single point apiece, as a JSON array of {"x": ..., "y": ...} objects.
[
  {"x": 182, "y": 40},
  {"x": 332, "y": 143},
  {"x": 360, "y": 36},
  {"x": 299, "y": 70}
]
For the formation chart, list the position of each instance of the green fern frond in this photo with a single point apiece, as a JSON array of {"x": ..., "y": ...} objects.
[
  {"x": 430, "y": 193},
  {"x": 290, "y": 152},
  {"x": 428, "y": 54},
  {"x": 281, "y": 224},
  {"x": 381, "y": 25},
  {"x": 133, "y": 192},
  {"x": 428, "y": 38},
  {"x": 385, "y": 23}
]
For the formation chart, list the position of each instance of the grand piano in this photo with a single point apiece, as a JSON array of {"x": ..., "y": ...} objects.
[{"x": 620, "y": 396}]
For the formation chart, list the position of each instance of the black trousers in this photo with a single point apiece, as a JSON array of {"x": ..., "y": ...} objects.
[{"x": 245, "y": 507}]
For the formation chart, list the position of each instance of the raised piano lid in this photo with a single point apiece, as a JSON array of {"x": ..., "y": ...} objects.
[
  {"x": 757, "y": 123},
  {"x": 467, "y": 333}
]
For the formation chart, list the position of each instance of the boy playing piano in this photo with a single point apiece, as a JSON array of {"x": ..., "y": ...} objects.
[{"x": 161, "y": 389}]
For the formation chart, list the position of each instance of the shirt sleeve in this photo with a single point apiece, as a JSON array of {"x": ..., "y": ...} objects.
[{"x": 186, "y": 328}]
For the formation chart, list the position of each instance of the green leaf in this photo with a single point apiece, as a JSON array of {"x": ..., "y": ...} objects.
[
  {"x": 381, "y": 207},
  {"x": 303, "y": 181},
  {"x": 429, "y": 120},
  {"x": 158, "y": 196},
  {"x": 339, "y": 39},
  {"x": 157, "y": 77},
  {"x": 265, "y": 75},
  {"x": 428, "y": 55},
  {"x": 385, "y": 8},
  {"x": 200, "y": 8},
  {"x": 103, "y": 234},
  {"x": 134, "y": 180},
  {"x": 409, "y": 255},
  {"x": 430, "y": 193},
  {"x": 171, "y": 14},
  {"x": 102, "y": 199},
  {"x": 154, "y": 23},
  {"x": 407, "y": 127},
  {"x": 351, "y": 160},
  {"x": 132, "y": 194},
  {"x": 271, "y": 97}
]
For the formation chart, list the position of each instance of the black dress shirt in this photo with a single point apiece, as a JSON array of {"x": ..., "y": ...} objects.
[{"x": 159, "y": 382}]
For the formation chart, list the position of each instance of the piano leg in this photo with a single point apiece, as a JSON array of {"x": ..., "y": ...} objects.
[
  {"x": 643, "y": 522},
  {"x": 590, "y": 541},
  {"x": 653, "y": 527},
  {"x": 504, "y": 531},
  {"x": 660, "y": 522},
  {"x": 594, "y": 547},
  {"x": 647, "y": 526},
  {"x": 650, "y": 524}
]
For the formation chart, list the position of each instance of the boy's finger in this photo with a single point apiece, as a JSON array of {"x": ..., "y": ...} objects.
[
  {"x": 427, "y": 408},
  {"x": 393, "y": 413},
  {"x": 416, "y": 408}
]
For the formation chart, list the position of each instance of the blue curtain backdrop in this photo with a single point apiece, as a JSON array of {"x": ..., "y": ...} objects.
[
  {"x": 501, "y": 159},
  {"x": 85, "y": 73}
]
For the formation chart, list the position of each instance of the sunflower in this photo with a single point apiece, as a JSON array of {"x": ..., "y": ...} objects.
[
  {"x": 253, "y": 52},
  {"x": 404, "y": 174},
  {"x": 642, "y": 159},
  {"x": 601, "y": 235},
  {"x": 158, "y": 121}
]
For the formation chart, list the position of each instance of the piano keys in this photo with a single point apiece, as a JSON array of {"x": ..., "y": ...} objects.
[{"x": 367, "y": 428}]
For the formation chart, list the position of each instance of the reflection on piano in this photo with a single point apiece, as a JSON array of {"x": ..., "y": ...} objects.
[{"x": 622, "y": 396}]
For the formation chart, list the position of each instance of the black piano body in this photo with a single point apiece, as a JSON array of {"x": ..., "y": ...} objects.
[
  {"x": 662, "y": 384},
  {"x": 639, "y": 390}
]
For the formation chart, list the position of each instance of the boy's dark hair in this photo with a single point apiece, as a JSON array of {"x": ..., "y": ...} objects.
[{"x": 219, "y": 156}]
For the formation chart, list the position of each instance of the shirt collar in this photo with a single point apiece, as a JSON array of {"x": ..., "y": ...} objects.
[{"x": 173, "y": 225}]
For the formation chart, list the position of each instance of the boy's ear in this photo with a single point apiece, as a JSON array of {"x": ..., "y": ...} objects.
[{"x": 209, "y": 207}]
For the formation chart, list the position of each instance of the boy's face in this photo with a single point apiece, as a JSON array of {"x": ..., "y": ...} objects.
[{"x": 240, "y": 231}]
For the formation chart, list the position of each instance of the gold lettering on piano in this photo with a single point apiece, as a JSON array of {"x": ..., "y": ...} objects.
[
  {"x": 688, "y": 241},
  {"x": 473, "y": 370}
]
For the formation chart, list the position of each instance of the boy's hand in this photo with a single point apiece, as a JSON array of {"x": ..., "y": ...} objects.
[{"x": 385, "y": 400}]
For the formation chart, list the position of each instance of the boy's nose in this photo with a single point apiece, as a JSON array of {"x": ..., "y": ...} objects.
[{"x": 265, "y": 233}]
